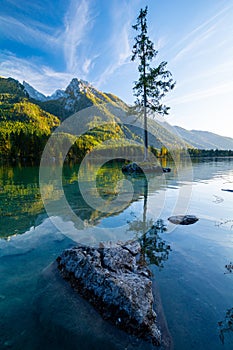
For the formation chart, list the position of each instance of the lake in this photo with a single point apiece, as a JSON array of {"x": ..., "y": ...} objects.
[{"x": 96, "y": 204}]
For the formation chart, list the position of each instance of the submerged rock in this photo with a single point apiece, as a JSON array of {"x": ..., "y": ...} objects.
[
  {"x": 227, "y": 190},
  {"x": 140, "y": 168},
  {"x": 63, "y": 319},
  {"x": 113, "y": 280},
  {"x": 183, "y": 219},
  {"x": 131, "y": 169},
  {"x": 166, "y": 170}
]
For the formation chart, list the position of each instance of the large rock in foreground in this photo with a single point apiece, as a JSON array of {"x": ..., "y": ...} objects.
[{"x": 115, "y": 282}]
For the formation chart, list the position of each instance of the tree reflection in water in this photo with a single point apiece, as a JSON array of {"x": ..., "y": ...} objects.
[
  {"x": 229, "y": 268},
  {"x": 155, "y": 249},
  {"x": 226, "y": 326}
]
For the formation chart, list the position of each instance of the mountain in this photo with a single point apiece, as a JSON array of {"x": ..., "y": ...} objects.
[
  {"x": 18, "y": 113},
  {"x": 56, "y": 95},
  {"x": 13, "y": 87},
  {"x": 79, "y": 94},
  {"x": 22, "y": 103},
  {"x": 205, "y": 139},
  {"x": 24, "y": 126},
  {"x": 33, "y": 93},
  {"x": 38, "y": 96}
]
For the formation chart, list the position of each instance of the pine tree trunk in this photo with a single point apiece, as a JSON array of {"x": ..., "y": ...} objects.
[
  {"x": 145, "y": 132},
  {"x": 144, "y": 101}
]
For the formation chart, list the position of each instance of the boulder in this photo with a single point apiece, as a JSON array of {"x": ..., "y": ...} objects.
[
  {"x": 166, "y": 170},
  {"x": 132, "y": 168},
  {"x": 114, "y": 281},
  {"x": 183, "y": 219},
  {"x": 140, "y": 168}
]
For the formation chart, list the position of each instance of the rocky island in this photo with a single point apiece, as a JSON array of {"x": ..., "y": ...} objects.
[{"x": 113, "y": 279}]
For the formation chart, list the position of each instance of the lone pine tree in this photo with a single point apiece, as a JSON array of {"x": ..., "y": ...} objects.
[{"x": 153, "y": 83}]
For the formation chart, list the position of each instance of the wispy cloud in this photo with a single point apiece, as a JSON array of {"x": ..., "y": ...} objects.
[
  {"x": 43, "y": 78},
  {"x": 195, "y": 43},
  {"x": 122, "y": 54},
  {"x": 28, "y": 34},
  {"x": 200, "y": 94},
  {"x": 69, "y": 39},
  {"x": 119, "y": 43},
  {"x": 87, "y": 65},
  {"x": 199, "y": 35},
  {"x": 209, "y": 74},
  {"x": 72, "y": 41},
  {"x": 78, "y": 21}
]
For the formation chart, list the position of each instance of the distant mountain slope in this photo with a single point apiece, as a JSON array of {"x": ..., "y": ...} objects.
[{"x": 205, "y": 139}]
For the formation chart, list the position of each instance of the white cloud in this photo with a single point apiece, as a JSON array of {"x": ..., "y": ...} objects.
[
  {"x": 43, "y": 78},
  {"x": 195, "y": 43},
  {"x": 211, "y": 74},
  {"x": 27, "y": 34},
  {"x": 86, "y": 65},
  {"x": 119, "y": 49},
  {"x": 200, "y": 94},
  {"x": 77, "y": 25},
  {"x": 68, "y": 40},
  {"x": 199, "y": 36}
]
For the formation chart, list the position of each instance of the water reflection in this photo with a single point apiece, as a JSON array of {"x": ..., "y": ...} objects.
[
  {"x": 20, "y": 201},
  {"x": 21, "y": 206},
  {"x": 229, "y": 268},
  {"x": 226, "y": 326},
  {"x": 155, "y": 250},
  {"x": 107, "y": 183},
  {"x": 193, "y": 275},
  {"x": 94, "y": 183}
]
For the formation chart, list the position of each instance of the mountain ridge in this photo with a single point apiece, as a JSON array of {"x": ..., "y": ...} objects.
[
  {"x": 202, "y": 139},
  {"x": 80, "y": 94}
]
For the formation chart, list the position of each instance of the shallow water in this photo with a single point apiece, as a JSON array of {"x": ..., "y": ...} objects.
[{"x": 195, "y": 289}]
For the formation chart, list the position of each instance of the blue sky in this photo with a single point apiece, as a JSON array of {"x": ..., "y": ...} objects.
[{"x": 49, "y": 42}]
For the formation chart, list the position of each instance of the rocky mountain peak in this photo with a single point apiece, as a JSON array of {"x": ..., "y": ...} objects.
[
  {"x": 77, "y": 86},
  {"x": 74, "y": 90},
  {"x": 33, "y": 93},
  {"x": 57, "y": 94},
  {"x": 77, "y": 90}
]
